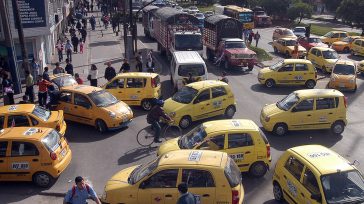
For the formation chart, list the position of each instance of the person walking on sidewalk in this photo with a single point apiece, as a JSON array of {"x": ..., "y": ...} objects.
[
  {"x": 82, "y": 45},
  {"x": 75, "y": 42},
  {"x": 92, "y": 77},
  {"x": 250, "y": 38},
  {"x": 83, "y": 34},
  {"x": 35, "y": 67},
  {"x": 8, "y": 89},
  {"x": 110, "y": 72},
  {"x": 29, "y": 83},
  {"x": 69, "y": 48},
  {"x": 59, "y": 47},
  {"x": 125, "y": 67},
  {"x": 46, "y": 74},
  {"x": 43, "y": 89},
  {"x": 139, "y": 65},
  {"x": 58, "y": 69},
  {"x": 93, "y": 22},
  {"x": 69, "y": 67},
  {"x": 256, "y": 38},
  {"x": 80, "y": 192}
]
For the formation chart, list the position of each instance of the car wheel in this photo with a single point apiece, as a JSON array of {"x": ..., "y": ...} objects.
[
  {"x": 337, "y": 128},
  {"x": 185, "y": 122},
  {"x": 277, "y": 192},
  {"x": 258, "y": 169},
  {"x": 146, "y": 104},
  {"x": 310, "y": 84},
  {"x": 101, "y": 126},
  {"x": 280, "y": 129},
  {"x": 43, "y": 179},
  {"x": 346, "y": 50},
  {"x": 230, "y": 112},
  {"x": 269, "y": 83},
  {"x": 275, "y": 50}
]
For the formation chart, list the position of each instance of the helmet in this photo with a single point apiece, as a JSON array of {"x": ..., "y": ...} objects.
[{"x": 158, "y": 102}]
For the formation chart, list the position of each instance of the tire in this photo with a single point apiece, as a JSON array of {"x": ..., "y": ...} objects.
[
  {"x": 185, "y": 122},
  {"x": 277, "y": 192},
  {"x": 346, "y": 50},
  {"x": 230, "y": 112},
  {"x": 258, "y": 169},
  {"x": 43, "y": 179},
  {"x": 250, "y": 67},
  {"x": 146, "y": 104},
  {"x": 310, "y": 84},
  {"x": 269, "y": 83},
  {"x": 145, "y": 136},
  {"x": 337, "y": 128},
  {"x": 172, "y": 131},
  {"x": 100, "y": 126},
  {"x": 280, "y": 129},
  {"x": 275, "y": 50}
]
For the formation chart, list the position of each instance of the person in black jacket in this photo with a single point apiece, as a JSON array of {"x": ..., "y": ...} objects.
[
  {"x": 153, "y": 118},
  {"x": 75, "y": 42},
  {"x": 110, "y": 72},
  {"x": 186, "y": 197},
  {"x": 125, "y": 67}
]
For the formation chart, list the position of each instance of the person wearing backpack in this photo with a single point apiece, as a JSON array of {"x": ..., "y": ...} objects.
[{"x": 80, "y": 192}]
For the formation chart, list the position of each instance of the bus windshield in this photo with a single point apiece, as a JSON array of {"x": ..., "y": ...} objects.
[{"x": 246, "y": 17}]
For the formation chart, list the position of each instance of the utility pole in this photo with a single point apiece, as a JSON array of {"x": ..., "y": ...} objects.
[{"x": 131, "y": 24}]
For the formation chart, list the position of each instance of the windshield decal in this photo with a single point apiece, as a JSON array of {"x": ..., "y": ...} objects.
[
  {"x": 195, "y": 156},
  {"x": 318, "y": 154},
  {"x": 235, "y": 123},
  {"x": 30, "y": 131},
  {"x": 12, "y": 108}
]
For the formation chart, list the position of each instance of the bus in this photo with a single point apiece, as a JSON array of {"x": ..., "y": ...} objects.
[{"x": 244, "y": 15}]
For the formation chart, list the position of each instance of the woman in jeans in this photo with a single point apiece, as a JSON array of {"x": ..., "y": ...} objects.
[{"x": 93, "y": 75}]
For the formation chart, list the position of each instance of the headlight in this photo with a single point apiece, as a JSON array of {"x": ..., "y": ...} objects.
[
  {"x": 172, "y": 114},
  {"x": 112, "y": 114},
  {"x": 267, "y": 118}
]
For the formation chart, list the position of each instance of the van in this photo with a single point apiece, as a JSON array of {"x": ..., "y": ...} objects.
[{"x": 185, "y": 62}]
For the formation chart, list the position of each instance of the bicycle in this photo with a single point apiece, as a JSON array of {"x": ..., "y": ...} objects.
[{"x": 145, "y": 136}]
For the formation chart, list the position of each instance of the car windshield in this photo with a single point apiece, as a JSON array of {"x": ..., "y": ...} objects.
[
  {"x": 102, "y": 98},
  {"x": 343, "y": 187},
  {"x": 246, "y": 17},
  {"x": 142, "y": 171},
  {"x": 260, "y": 13},
  {"x": 287, "y": 32},
  {"x": 185, "y": 95},
  {"x": 314, "y": 40},
  {"x": 190, "y": 42},
  {"x": 41, "y": 113},
  {"x": 330, "y": 54},
  {"x": 62, "y": 81},
  {"x": 329, "y": 34},
  {"x": 299, "y": 30},
  {"x": 347, "y": 39},
  {"x": 291, "y": 43},
  {"x": 235, "y": 45},
  {"x": 287, "y": 102},
  {"x": 192, "y": 138},
  {"x": 194, "y": 69},
  {"x": 276, "y": 65},
  {"x": 344, "y": 69}
]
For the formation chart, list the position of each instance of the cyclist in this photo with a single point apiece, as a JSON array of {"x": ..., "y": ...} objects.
[{"x": 153, "y": 118}]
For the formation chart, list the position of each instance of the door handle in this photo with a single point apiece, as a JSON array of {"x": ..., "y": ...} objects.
[
  {"x": 1, "y": 161},
  {"x": 206, "y": 195},
  {"x": 248, "y": 152},
  {"x": 303, "y": 195},
  {"x": 168, "y": 196},
  {"x": 75, "y": 106},
  {"x": 284, "y": 176},
  {"x": 289, "y": 74},
  {"x": 35, "y": 160},
  {"x": 330, "y": 113},
  {"x": 138, "y": 91},
  {"x": 309, "y": 115},
  {"x": 224, "y": 99},
  {"x": 120, "y": 92},
  {"x": 207, "y": 104}
]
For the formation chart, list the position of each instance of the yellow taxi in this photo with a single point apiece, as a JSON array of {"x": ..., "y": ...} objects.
[
  {"x": 289, "y": 72},
  {"x": 35, "y": 154},
  {"x": 63, "y": 80},
  {"x": 199, "y": 100},
  {"x": 286, "y": 47},
  {"x": 94, "y": 106},
  {"x": 323, "y": 58},
  {"x": 135, "y": 88},
  {"x": 309, "y": 109},
  {"x": 334, "y": 36},
  {"x": 315, "y": 174},
  {"x": 343, "y": 76},
  {"x": 357, "y": 47},
  {"x": 26, "y": 115},
  {"x": 213, "y": 177},
  {"x": 283, "y": 33},
  {"x": 361, "y": 67},
  {"x": 345, "y": 44},
  {"x": 241, "y": 139}
]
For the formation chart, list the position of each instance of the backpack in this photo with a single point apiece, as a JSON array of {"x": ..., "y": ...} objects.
[{"x": 74, "y": 190}]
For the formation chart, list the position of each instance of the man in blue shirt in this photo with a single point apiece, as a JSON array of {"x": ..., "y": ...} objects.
[
  {"x": 186, "y": 197},
  {"x": 79, "y": 193}
]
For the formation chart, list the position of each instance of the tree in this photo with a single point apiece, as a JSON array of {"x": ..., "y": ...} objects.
[
  {"x": 299, "y": 10},
  {"x": 276, "y": 7},
  {"x": 351, "y": 11},
  {"x": 233, "y": 2},
  {"x": 332, "y": 5}
]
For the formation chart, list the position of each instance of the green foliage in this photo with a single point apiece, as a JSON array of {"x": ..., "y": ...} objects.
[
  {"x": 351, "y": 11},
  {"x": 261, "y": 54},
  {"x": 276, "y": 7},
  {"x": 299, "y": 10},
  {"x": 332, "y": 5},
  {"x": 233, "y": 2}
]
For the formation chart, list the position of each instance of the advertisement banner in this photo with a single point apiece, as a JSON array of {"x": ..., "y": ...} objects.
[{"x": 32, "y": 13}]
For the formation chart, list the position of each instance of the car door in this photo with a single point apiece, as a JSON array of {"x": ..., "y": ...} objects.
[
  {"x": 301, "y": 73},
  {"x": 335, "y": 37},
  {"x": 116, "y": 88},
  {"x": 320, "y": 61},
  {"x": 219, "y": 100},
  {"x": 160, "y": 188},
  {"x": 285, "y": 74},
  {"x": 65, "y": 104},
  {"x": 200, "y": 183},
  {"x": 292, "y": 172},
  {"x": 4, "y": 160},
  {"x": 24, "y": 160},
  {"x": 280, "y": 46},
  {"x": 240, "y": 148},
  {"x": 83, "y": 109},
  {"x": 310, "y": 187},
  {"x": 301, "y": 116},
  {"x": 312, "y": 56},
  {"x": 18, "y": 121},
  {"x": 133, "y": 90},
  {"x": 361, "y": 48},
  {"x": 202, "y": 105},
  {"x": 325, "y": 112}
]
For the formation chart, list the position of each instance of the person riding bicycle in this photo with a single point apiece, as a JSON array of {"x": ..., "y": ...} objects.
[{"x": 153, "y": 118}]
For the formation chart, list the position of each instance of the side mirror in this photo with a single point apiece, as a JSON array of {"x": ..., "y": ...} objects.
[
  {"x": 294, "y": 110},
  {"x": 316, "y": 197},
  {"x": 196, "y": 101},
  {"x": 142, "y": 185}
]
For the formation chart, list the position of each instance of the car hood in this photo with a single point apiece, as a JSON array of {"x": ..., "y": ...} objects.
[
  {"x": 120, "y": 108},
  {"x": 172, "y": 106},
  {"x": 239, "y": 51},
  {"x": 270, "y": 110},
  {"x": 119, "y": 181},
  {"x": 266, "y": 70},
  {"x": 331, "y": 61},
  {"x": 168, "y": 146},
  {"x": 340, "y": 43}
]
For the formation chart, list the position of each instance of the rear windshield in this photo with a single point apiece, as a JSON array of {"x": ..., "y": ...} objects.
[
  {"x": 299, "y": 30},
  {"x": 194, "y": 69},
  {"x": 41, "y": 113},
  {"x": 67, "y": 80},
  {"x": 232, "y": 173},
  {"x": 52, "y": 141}
]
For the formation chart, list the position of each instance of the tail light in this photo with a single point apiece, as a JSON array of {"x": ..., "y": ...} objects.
[
  {"x": 268, "y": 150},
  {"x": 315, "y": 74},
  {"x": 235, "y": 197},
  {"x": 154, "y": 84},
  {"x": 53, "y": 156},
  {"x": 346, "y": 101},
  {"x": 58, "y": 127}
]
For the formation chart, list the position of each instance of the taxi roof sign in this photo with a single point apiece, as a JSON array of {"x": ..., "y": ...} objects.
[
  {"x": 235, "y": 123},
  {"x": 12, "y": 108},
  {"x": 318, "y": 154},
  {"x": 195, "y": 156},
  {"x": 30, "y": 131}
]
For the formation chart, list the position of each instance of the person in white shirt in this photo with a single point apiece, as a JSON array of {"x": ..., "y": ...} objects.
[{"x": 93, "y": 75}]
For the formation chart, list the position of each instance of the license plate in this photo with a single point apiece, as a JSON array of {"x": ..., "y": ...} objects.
[
  {"x": 341, "y": 85},
  {"x": 63, "y": 152}
]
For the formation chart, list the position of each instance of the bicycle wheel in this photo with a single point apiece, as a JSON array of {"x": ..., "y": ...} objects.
[
  {"x": 145, "y": 136},
  {"x": 172, "y": 131}
]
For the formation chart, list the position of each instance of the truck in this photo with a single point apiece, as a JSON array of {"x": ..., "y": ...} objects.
[
  {"x": 261, "y": 19},
  {"x": 147, "y": 22},
  {"x": 222, "y": 38},
  {"x": 176, "y": 31}
]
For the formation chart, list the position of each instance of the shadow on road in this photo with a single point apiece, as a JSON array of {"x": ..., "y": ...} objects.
[
  {"x": 136, "y": 154},
  {"x": 104, "y": 43},
  {"x": 281, "y": 90},
  {"x": 19, "y": 191}
]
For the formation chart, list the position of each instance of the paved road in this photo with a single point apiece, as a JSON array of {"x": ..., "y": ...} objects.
[{"x": 97, "y": 157}]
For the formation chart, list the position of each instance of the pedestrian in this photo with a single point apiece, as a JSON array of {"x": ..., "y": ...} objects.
[
  {"x": 251, "y": 36},
  {"x": 84, "y": 22},
  {"x": 295, "y": 51},
  {"x": 150, "y": 65},
  {"x": 69, "y": 48},
  {"x": 308, "y": 31},
  {"x": 46, "y": 74},
  {"x": 93, "y": 22},
  {"x": 59, "y": 47},
  {"x": 72, "y": 30},
  {"x": 69, "y": 67},
  {"x": 139, "y": 60},
  {"x": 58, "y": 69},
  {"x": 154, "y": 116},
  {"x": 53, "y": 96},
  {"x": 25, "y": 100},
  {"x": 35, "y": 67},
  {"x": 80, "y": 192},
  {"x": 29, "y": 83},
  {"x": 125, "y": 67},
  {"x": 78, "y": 79},
  {"x": 42, "y": 90},
  {"x": 186, "y": 197},
  {"x": 114, "y": 23},
  {"x": 78, "y": 25},
  {"x": 92, "y": 77},
  {"x": 224, "y": 78},
  {"x": 256, "y": 38},
  {"x": 8, "y": 89},
  {"x": 92, "y": 8},
  {"x": 190, "y": 79},
  {"x": 75, "y": 42},
  {"x": 83, "y": 34},
  {"x": 110, "y": 72}
]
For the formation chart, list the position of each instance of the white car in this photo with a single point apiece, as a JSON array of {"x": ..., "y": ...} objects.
[{"x": 299, "y": 31}]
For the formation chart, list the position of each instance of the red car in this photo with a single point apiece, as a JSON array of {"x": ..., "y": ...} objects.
[{"x": 311, "y": 42}]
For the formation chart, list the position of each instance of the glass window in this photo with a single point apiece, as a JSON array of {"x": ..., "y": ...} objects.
[
  {"x": 239, "y": 140},
  {"x": 65, "y": 97},
  {"x": 194, "y": 69},
  {"x": 52, "y": 140},
  {"x": 325, "y": 103},
  {"x": 295, "y": 167},
  {"x": 117, "y": 83},
  {"x": 66, "y": 80},
  {"x": 18, "y": 121},
  {"x": 203, "y": 96},
  {"x": 310, "y": 182},
  {"x": 343, "y": 35},
  {"x": 286, "y": 68},
  {"x": 232, "y": 173},
  {"x": 162, "y": 179},
  {"x": 287, "y": 102},
  {"x": 3, "y": 147},
  {"x": 301, "y": 67},
  {"x": 136, "y": 82},
  {"x": 41, "y": 113},
  {"x": 102, "y": 98},
  {"x": 336, "y": 35},
  {"x": 304, "y": 105},
  {"x": 192, "y": 138},
  {"x": 214, "y": 143},
  {"x": 318, "y": 53},
  {"x": 2, "y": 120},
  {"x": 197, "y": 178},
  {"x": 23, "y": 149},
  {"x": 83, "y": 101},
  {"x": 357, "y": 42},
  {"x": 34, "y": 121},
  {"x": 185, "y": 95},
  {"x": 218, "y": 91}
]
